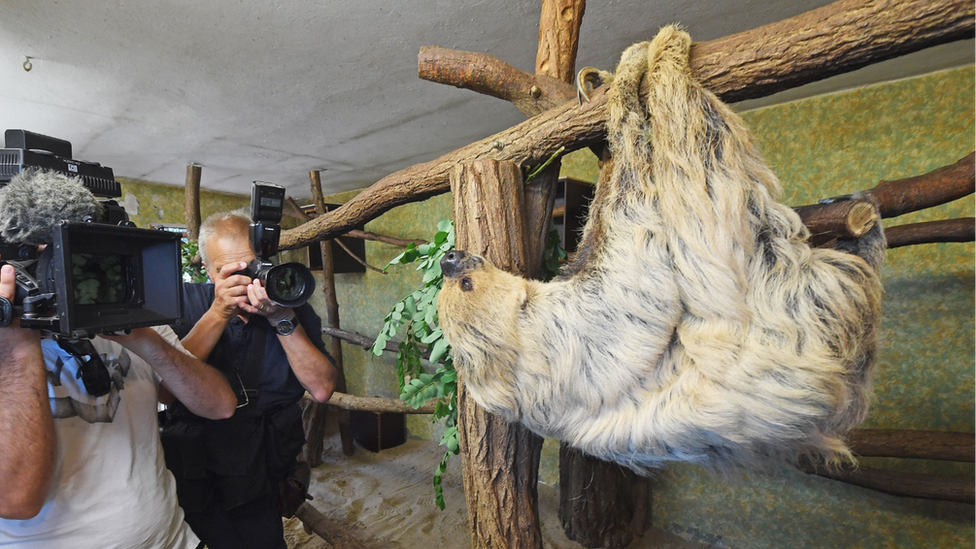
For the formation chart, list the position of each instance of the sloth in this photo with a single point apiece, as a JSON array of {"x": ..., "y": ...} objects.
[{"x": 695, "y": 322}]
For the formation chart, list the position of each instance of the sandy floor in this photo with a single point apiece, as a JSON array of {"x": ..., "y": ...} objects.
[{"x": 385, "y": 500}]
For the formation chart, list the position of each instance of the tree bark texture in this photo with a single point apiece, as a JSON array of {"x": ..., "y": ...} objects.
[
  {"x": 854, "y": 218},
  {"x": 844, "y": 219},
  {"x": 335, "y": 344},
  {"x": 191, "y": 202},
  {"x": 938, "y": 445},
  {"x": 949, "y": 230},
  {"x": 376, "y": 404},
  {"x": 600, "y": 504},
  {"x": 559, "y": 29},
  {"x": 488, "y": 75},
  {"x": 499, "y": 460},
  {"x": 837, "y": 38},
  {"x": 924, "y": 191},
  {"x": 326, "y": 528}
]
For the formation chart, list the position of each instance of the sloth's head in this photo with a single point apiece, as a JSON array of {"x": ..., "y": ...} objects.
[
  {"x": 477, "y": 300},
  {"x": 480, "y": 308}
]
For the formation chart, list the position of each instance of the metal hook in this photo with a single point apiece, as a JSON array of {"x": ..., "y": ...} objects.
[{"x": 27, "y": 64}]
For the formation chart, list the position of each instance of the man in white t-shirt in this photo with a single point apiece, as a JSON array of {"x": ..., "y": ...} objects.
[{"x": 80, "y": 471}]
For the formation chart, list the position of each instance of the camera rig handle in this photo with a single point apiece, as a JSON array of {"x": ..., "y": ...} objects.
[{"x": 6, "y": 312}]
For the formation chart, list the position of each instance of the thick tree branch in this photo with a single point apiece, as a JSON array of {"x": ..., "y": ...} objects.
[
  {"x": 938, "y": 445},
  {"x": 854, "y": 218},
  {"x": 847, "y": 218},
  {"x": 949, "y": 230},
  {"x": 903, "y": 484},
  {"x": 483, "y": 73},
  {"x": 837, "y": 38},
  {"x": 924, "y": 191},
  {"x": 367, "y": 342},
  {"x": 377, "y": 404},
  {"x": 327, "y": 529}
]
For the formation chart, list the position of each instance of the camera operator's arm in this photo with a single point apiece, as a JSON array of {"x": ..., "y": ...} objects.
[
  {"x": 28, "y": 447},
  {"x": 201, "y": 388},
  {"x": 230, "y": 290},
  {"x": 312, "y": 368}
]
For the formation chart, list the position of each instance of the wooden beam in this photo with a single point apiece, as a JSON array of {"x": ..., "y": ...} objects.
[
  {"x": 499, "y": 460},
  {"x": 483, "y": 73},
  {"x": 929, "y": 232},
  {"x": 377, "y": 404},
  {"x": 840, "y": 37},
  {"x": 191, "y": 201},
  {"x": 938, "y": 445},
  {"x": 326, "y": 528},
  {"x": 913, "y": 485},
  {"x": 924, "y": 191},
  {"x": 317, "y": 422}
]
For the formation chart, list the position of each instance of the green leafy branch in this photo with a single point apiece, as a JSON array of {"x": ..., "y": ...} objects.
[
  {"x": 191, "y": 272},
  {"x": 415, "y": 318}
]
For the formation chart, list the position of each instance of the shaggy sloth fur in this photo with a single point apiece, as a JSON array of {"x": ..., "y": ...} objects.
[{"x": 695, "y": 323}]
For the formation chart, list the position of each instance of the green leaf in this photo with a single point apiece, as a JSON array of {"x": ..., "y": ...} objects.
[{"x": 438, "y": 351}]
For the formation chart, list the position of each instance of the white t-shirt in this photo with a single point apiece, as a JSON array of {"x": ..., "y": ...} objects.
[{"x": 111, "y": 488}]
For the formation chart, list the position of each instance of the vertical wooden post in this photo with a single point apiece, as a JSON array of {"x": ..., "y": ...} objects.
[
  {"x": 191, "y": 203},
  {"x": 499, "y": 460},
  {"x": 601, "y": 504},
  {"x": 559, "y": 26},
  {"x": 316, "y": 424}
]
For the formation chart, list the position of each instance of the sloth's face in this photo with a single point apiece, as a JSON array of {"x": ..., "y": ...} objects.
[
  {"x": 461, "y": 268},
  {"x": 477, "y": 299}
]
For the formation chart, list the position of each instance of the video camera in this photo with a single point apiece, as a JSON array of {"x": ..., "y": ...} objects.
[
  {"x": 98, "y": 273},
  {"x": 288, "y": 284}
]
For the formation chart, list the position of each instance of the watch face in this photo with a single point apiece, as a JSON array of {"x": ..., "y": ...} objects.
[{"x": 285, "y": 327}]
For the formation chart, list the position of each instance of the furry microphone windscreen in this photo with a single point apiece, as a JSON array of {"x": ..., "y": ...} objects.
[{"x": 35, "y": 202}]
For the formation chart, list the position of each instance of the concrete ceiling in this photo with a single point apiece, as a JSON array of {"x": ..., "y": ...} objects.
[{"x": 270, "y": 90}]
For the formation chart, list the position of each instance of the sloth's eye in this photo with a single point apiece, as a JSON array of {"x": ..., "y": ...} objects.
[{"x": 466, "y": 284}]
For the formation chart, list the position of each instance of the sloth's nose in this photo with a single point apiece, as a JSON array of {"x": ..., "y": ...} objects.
[{"x": 451, "y": 263}]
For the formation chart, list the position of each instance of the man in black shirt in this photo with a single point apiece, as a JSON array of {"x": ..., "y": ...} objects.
[{"x": 227, "y": 471}]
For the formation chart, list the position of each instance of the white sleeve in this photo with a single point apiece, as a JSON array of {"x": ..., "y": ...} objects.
[{"x": 170, "y": 336}]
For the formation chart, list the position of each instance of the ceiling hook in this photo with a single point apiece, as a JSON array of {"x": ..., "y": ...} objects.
[{"x": 27, "y": 64}]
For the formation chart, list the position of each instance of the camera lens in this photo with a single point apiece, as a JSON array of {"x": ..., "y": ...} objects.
[{"x": 290, "y": 284}]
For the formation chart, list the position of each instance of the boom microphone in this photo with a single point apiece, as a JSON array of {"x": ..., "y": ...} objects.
[{"x": 36, "y": 201}]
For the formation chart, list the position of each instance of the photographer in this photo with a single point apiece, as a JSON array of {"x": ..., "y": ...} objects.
[
  {"x": 83, "y": 471},
  {"x": 228, "y": 471}
]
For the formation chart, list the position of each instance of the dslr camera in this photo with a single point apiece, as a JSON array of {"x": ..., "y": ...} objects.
[
  {"x": 288, "y": 284},
  {"x": 98, "y": 274}
]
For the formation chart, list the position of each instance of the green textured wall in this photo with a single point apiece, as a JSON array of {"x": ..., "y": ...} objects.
[{"x": 147, "y": 202}]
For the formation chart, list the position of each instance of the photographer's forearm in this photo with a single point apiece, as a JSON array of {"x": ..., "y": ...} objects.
[
  {"x": 28, "y": 452},
  {"x": 201, "y": 388},
  {"x": 314, "y": 371}
]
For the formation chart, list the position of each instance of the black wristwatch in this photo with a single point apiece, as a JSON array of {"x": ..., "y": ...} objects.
[{"x": 285, "y": 326}]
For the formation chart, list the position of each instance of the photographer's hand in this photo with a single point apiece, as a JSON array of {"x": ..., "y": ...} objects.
[
  {"x": 29, "y": 450},
  {"x": 230, "y": 294},
  {"x": 260, "y": 304},
  {"x": 230, "y": 290}
]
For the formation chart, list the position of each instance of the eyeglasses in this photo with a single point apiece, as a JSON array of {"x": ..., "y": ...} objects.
[{"x": 245, "y": 392}]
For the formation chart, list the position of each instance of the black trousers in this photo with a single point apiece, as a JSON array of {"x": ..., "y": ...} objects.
[{"x": 254, "y": 525}]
